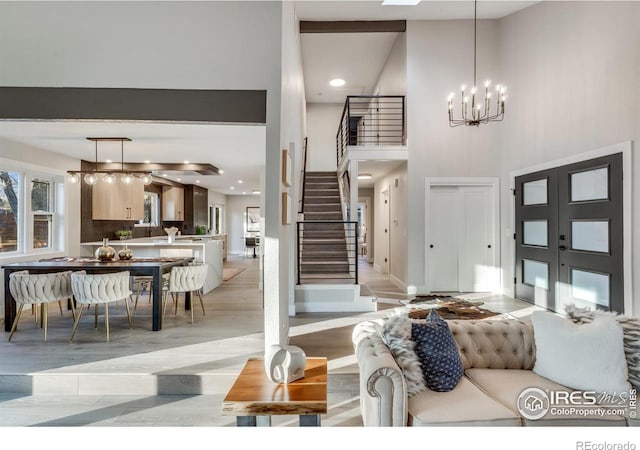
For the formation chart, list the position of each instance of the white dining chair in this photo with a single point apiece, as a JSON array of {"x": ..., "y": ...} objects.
[
  {"x": 39, "y": 290},
  {"x": 183, "y": 279},
  {"x": 97, "y": 289}
]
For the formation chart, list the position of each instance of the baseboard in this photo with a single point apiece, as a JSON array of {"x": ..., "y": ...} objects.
[{"x": 398, "y": 283}]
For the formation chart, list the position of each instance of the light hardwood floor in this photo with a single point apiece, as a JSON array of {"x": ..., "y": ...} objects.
[{"x": 178, "y": 376}]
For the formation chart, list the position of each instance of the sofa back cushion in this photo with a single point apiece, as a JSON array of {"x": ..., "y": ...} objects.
[{"x": 494, "y": 344}]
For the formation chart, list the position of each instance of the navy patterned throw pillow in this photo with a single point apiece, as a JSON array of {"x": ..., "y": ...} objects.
[{"x": 437, "y": 351}]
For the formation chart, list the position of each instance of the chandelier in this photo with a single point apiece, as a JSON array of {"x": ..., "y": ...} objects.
[
  {"x": 475, "y": 110},
  {"x": 92, "y": 177}
]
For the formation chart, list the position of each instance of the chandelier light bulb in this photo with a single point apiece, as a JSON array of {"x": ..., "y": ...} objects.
[
  {"x": 451, "y": 95},
  {"x": 109, "y": 178},
  {"x": 127, "y": 178},
  {"x": 146, "y": 179},
  {"x": 466, "y": 99},
  {"x": 473, "y": 90},
  {"x": 498, "y": 87},
  {"x": 487, "y": 83},
  {"x": 91, "y": 179},
  {"x": 488, "y": 94},
  {"x": 503, "y": 89},
  {"x": 463, "y": 87},
  {"x": 73, "y": 178}
]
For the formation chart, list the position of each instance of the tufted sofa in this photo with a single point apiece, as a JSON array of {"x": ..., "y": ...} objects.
[{"x": 498, "y": 357}]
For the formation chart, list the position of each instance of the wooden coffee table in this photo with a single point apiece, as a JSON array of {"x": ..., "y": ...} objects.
[{"x": 253, "y": 398}]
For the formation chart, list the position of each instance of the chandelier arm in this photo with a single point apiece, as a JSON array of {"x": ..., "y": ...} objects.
[{"x": 475, "y": 20}]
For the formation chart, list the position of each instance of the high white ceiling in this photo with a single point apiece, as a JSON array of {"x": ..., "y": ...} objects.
[
  {"x": 425, "y": 10},
  {"x": 358, "y": 58},
  {"x": 236, "y": 149}
]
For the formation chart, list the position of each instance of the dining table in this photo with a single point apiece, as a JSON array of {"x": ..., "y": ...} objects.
[{"x": 153, "y": 267}]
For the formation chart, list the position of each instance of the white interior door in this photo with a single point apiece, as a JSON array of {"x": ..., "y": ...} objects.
[
  {"x": 385, "y": 263},
  {"x": 461, "y": 251},
  {"x": 443, "y": 238},
  {"x": 475, "y": 252}
]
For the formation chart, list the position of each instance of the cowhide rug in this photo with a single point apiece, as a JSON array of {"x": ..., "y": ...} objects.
[{"x": 453, "y": 308}]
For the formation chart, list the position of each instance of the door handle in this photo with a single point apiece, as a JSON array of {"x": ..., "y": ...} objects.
[
  {"x": 489, "y": 246},
  {"x": 431, "y": 246},
  {"x": 562, "y": 247}
]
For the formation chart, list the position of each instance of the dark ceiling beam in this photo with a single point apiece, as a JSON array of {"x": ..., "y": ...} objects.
[
  {"x": 201, "y": 169},
  {"x": 353, "y": 26}
]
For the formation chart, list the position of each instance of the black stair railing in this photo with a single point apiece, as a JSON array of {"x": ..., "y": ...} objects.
[
  {"x": 371, "y": 120},
  {"x": 327, "y": 250},
  {"x": 303, "y": 177}
]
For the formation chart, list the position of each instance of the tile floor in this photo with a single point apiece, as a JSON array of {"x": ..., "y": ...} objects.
[{"x": 178, "y": 376}]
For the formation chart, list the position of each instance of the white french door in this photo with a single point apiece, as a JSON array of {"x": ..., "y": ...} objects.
[{"x": 461, "y": 235}]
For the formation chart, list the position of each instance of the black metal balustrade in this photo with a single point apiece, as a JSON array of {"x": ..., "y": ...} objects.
[
  {"x": 327, "y": 250},
  {"x": 371, "y": 120}
]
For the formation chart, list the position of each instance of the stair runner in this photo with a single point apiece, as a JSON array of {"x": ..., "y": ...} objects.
[{"x": 324, "y": 256}]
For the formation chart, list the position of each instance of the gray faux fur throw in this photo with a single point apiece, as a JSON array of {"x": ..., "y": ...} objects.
[
  {"x": 630, "y": 329},
  {"x": 396, "y": 334}
]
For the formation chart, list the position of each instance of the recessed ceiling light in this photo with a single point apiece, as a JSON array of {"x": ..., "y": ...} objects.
[
  {"x": 364, "y": 176},
  {"x": 256, "y": 192},
  {"x": 244, "y": 193},
  {"x": 337, "y": 82},
  {"x": 400, "y": 2},
  {"x": 108, "y": 161},
  {"x": 220, "y": 171},
  {"x": 146, "y": 161},
  {"x": 197, "y": 181},
  {"x": 185, "y": 162},
  {"x": 231, "y": 188},
  {"x": 239, "y": 181},
  {"x": 165, "y": 175},
  {"x": 178, "y": 179}
]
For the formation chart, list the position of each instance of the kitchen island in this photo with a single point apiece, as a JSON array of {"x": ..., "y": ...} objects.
[{"x": 203, "y": 249}]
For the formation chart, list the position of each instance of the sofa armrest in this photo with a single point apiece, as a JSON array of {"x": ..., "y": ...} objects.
[{"x": 383, "y": 389}]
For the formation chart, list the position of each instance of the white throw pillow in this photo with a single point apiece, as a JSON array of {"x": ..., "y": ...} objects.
[{"x": 587, "y": 357}]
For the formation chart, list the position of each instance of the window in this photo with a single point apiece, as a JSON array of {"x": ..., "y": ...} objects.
[
  {"x": 151, "y": 209},
  {"x": 9, "y": 211},
  {"x": 42, "y": 212},
  {"x": 28, "y": 218}
]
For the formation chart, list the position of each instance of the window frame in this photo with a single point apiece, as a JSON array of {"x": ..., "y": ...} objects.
[{"x": 25, "y": 220}]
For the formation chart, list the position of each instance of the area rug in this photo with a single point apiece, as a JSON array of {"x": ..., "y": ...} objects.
[
  {"x": 230, "y": 272},
  {"x": 452, "y": 308}
]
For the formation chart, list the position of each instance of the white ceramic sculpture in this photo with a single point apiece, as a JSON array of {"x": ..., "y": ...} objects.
[
  {"x": 171, "y": 234},
  {"x": 285, "y": 364}
]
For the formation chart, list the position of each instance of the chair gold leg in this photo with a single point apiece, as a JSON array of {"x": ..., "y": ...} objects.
[
  {"x": 45, "y": 319},
  {"x": 126, "y": 303},
  {"x": 34, "y": 312},
  {"x": 201, "y": 302},
  {"x": 60, "y": 306},
  {"x": 149, "y": 286},
  {"x": 106, "y": 319},
  {"x": 164, "y": 303},
  {"x": 140, "y": 284},
  {"x": 95, "y": 320},
  {"x": 15, "y": 321},
  {"x": 192, "y": 308},
  {"x": 73, "y": 308},
  {"x": 176, "y": 297},
  {"x": 76, "y": 322}
]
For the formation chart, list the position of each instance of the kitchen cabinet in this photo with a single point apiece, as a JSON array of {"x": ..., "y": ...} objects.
[
  {"x": 118, "y": 201},
  {"x": 172, "y": 203},
  {"x": 196, "y": 208}
]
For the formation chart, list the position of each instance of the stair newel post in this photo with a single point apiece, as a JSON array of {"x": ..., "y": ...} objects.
[
  {"x": 299, "y": 249},
  {"x": 355, "y": 249}
]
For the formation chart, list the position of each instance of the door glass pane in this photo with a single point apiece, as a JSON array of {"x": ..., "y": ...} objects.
[
  {"x": 536, "y": 273},
  {"x": 590, "y": 236},
  {"x": 590, "y": 185},
  {"x": 591, "y": 287},
  {"x": 535, "y": 233},
  {"x": 534, "y": 192}
]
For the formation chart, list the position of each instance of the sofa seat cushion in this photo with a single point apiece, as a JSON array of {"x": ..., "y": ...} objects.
[
  {"x": 505, "y": 385},
  {"x": 465, "y": 405}
]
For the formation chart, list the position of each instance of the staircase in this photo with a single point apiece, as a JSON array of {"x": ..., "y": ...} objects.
[{"x": 324, "y": 256}]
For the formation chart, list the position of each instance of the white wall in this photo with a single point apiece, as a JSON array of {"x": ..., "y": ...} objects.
[
  {"x": 398, "y": 244},
  {"x": 236, "y": 219},
  {"x": 393, "y": 76},
  {"x": 368, "y": 193},
  {"x": 439, "y": 60},
  {"x": 573, "y": 71},
  {"x": 323, "y": 120},
  {"x": 292, "y": 133}
]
